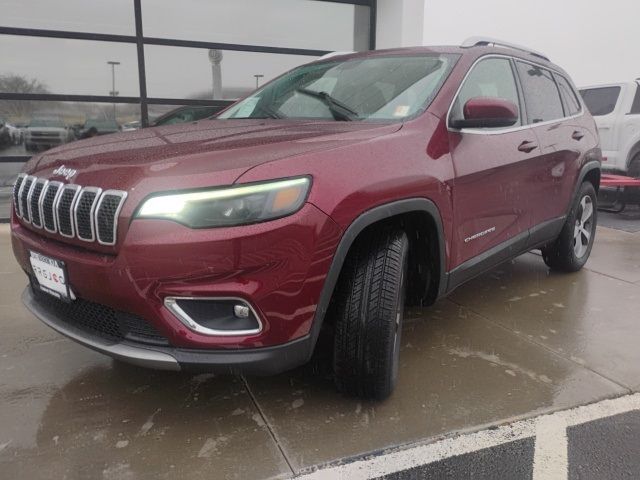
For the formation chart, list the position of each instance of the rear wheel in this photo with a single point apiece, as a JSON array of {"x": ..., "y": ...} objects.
[
  {"x": 572, "y": 248},
  {"x": 634, "y": 167},
  {"x": 368, "y": 309}
]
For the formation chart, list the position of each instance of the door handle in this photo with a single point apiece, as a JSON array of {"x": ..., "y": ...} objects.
[
  {"x": 577, "y": 135},
  {"x": 527, "y": 146}
]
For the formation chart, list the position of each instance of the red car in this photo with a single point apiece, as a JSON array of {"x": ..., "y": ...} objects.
[{"x": 327, "y": 200}]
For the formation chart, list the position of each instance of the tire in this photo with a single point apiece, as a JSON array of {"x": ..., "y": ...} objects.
[
  {"x": 368, "y": 309},
  {"x": 572, "y": 248},
  {"x": 634, "y": 167}
]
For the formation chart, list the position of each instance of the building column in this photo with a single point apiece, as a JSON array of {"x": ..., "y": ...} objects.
[{"x": 400, "y": 23}]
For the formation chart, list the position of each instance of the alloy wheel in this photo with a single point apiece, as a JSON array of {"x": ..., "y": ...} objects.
[{"x": 583, "y": 228}]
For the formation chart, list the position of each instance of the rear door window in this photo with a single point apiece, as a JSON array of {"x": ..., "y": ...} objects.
[
  {"x": 541, "y": 95},
  {"x": 635, "y": 106},
  {"x": 568, "y": 95},
  {"x": 602, "y": 100}
]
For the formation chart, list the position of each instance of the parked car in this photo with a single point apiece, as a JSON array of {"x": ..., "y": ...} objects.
[
  {"x": 98, "y": 126},
  {"x": 46, "y": 132},
  {"x": 5, "y": 133},
  {"x": 15, "y": 134},
  {"x": 130, "y": 126},
  {"x": 178, "y": 115},
  {"x": 321, "y": 204},
  {"x": 616, "y": 109},
  {"x": 186, "y": 114}
]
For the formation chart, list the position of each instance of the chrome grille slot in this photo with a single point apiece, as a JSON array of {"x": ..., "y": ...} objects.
[
  {"x": 86, "y": 213},
  {"x": 83, "y": 213},
  {"x": 25, "y": 189},
  {"x": 107, "y": 212},
  {"x": 64, "y": 210},
  {"x": 16, "y": 193},
  {"x": 34, "y": 201},
  {"x": 47, "y": 206}
]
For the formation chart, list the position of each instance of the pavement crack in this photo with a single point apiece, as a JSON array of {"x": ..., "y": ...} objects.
[{"x": 268, "y": 425}]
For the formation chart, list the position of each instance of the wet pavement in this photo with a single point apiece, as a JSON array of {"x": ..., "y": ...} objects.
[{"x": 512, "y": 344}]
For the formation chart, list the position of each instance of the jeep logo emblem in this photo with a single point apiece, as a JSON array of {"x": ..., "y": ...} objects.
[{"x": 67, "y": 173}]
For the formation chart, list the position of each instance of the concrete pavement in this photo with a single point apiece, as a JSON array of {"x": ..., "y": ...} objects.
[{"x": 512, "y": 344}]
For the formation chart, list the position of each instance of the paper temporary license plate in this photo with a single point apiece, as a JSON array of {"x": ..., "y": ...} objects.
[{"x": 50, "y": 275}]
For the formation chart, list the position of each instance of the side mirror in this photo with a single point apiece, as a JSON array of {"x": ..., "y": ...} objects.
[{"x": 487, "y": 112}]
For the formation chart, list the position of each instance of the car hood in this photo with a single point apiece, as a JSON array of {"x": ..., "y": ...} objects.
[{"x": 205, "y": 153}]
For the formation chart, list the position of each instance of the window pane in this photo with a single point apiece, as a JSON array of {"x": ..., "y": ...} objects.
[
  {"x": 490, "y": 78},
  {"x": 278, "y": 23},
  {"x": 601, "y": 101},
  {"x": 540, "y": 93},
  {"x": 37, "y": 126},
  {"x": 179, "y": 72},
  {"x": 635, "y": 107},
  {"x": 74, "y": 67},
  {"x": 95, "y": 16},
  {"x": 568, "y": 94}
]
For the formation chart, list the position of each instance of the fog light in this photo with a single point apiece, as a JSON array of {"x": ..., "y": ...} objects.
[
  {"x": 241, "y": 311},
  {"x": 215, "y": 315}
]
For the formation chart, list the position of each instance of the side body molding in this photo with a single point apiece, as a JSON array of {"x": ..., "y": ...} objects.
[{"x": 366, "y": 219}]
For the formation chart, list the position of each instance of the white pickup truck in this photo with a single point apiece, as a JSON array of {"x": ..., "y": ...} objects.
[{"x": 616, "y": 110}]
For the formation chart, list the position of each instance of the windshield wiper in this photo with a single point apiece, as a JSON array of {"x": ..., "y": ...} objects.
[{"x": 339, "y": 110}]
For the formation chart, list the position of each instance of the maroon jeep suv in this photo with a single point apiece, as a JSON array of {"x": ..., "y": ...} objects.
[{"x": 326, "y": 200}]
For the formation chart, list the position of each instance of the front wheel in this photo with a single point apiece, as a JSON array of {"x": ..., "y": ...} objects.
[
  {"x": 572, "y": 248},
  {"x": 368, "y": 309}
]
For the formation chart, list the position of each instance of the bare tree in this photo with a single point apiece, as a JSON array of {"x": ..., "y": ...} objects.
[{"x": 12, "y": 83}]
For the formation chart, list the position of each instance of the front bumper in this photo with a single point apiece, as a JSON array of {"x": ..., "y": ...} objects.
[
  {"x": 278, "y": 267},
  {"x": 257, "y": 361}
]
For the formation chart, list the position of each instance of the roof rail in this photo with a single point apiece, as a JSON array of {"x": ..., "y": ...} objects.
[{"x": 488, "y": 41}]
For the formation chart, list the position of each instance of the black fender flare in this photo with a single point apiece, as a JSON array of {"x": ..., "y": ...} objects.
[
  {"x": 586, "y": 168},
  {"x": 364, "y": 220}
]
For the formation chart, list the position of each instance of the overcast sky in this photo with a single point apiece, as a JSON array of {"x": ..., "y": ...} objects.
[{"x": 596, "y": 41}]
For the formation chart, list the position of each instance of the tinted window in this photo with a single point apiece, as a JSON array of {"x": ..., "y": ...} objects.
[
  {"x": 601, "y": 101},
  {"x": 493, "y": 78},
  {"x": 635, "y": 107},
  {"x": 540, "y": 93},
  {"x": 568, "y": 94}
]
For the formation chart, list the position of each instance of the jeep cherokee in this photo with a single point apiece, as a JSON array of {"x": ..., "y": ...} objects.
[{"x": 332, "y": 196}]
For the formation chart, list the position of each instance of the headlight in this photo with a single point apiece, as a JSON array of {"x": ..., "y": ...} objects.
[{"x": 236, "y": 205}]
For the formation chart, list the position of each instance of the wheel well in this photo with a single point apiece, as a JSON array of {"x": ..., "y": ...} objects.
[
  {"x": 635, "y": 150},
  {"x": 424, "y": 254},
  {"x": 593, "y": 176}
]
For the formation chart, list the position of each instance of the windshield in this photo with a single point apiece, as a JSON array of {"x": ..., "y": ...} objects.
[
  {"x": 384, "y": 88},
  {"x": 47, "y": 122}
]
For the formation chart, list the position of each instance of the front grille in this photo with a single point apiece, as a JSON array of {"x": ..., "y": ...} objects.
[
  {"x": 72, "y": 211},
  {"x": 16, "y": 194},
  {"x": 48, "y": 204},
  {"x": 84, "y": 209},
  {"x": 100, "y": 320},
  {"x": 24, "y": 195},
  {"x": 65, "y": 209},
  {"x": 45, "y": 134},
  {"x": 106, "y": 215},
  {"x": 34, "y": 202}
]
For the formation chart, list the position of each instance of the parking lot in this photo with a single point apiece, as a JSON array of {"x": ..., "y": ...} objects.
[{"x": 513, "y": 344}]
